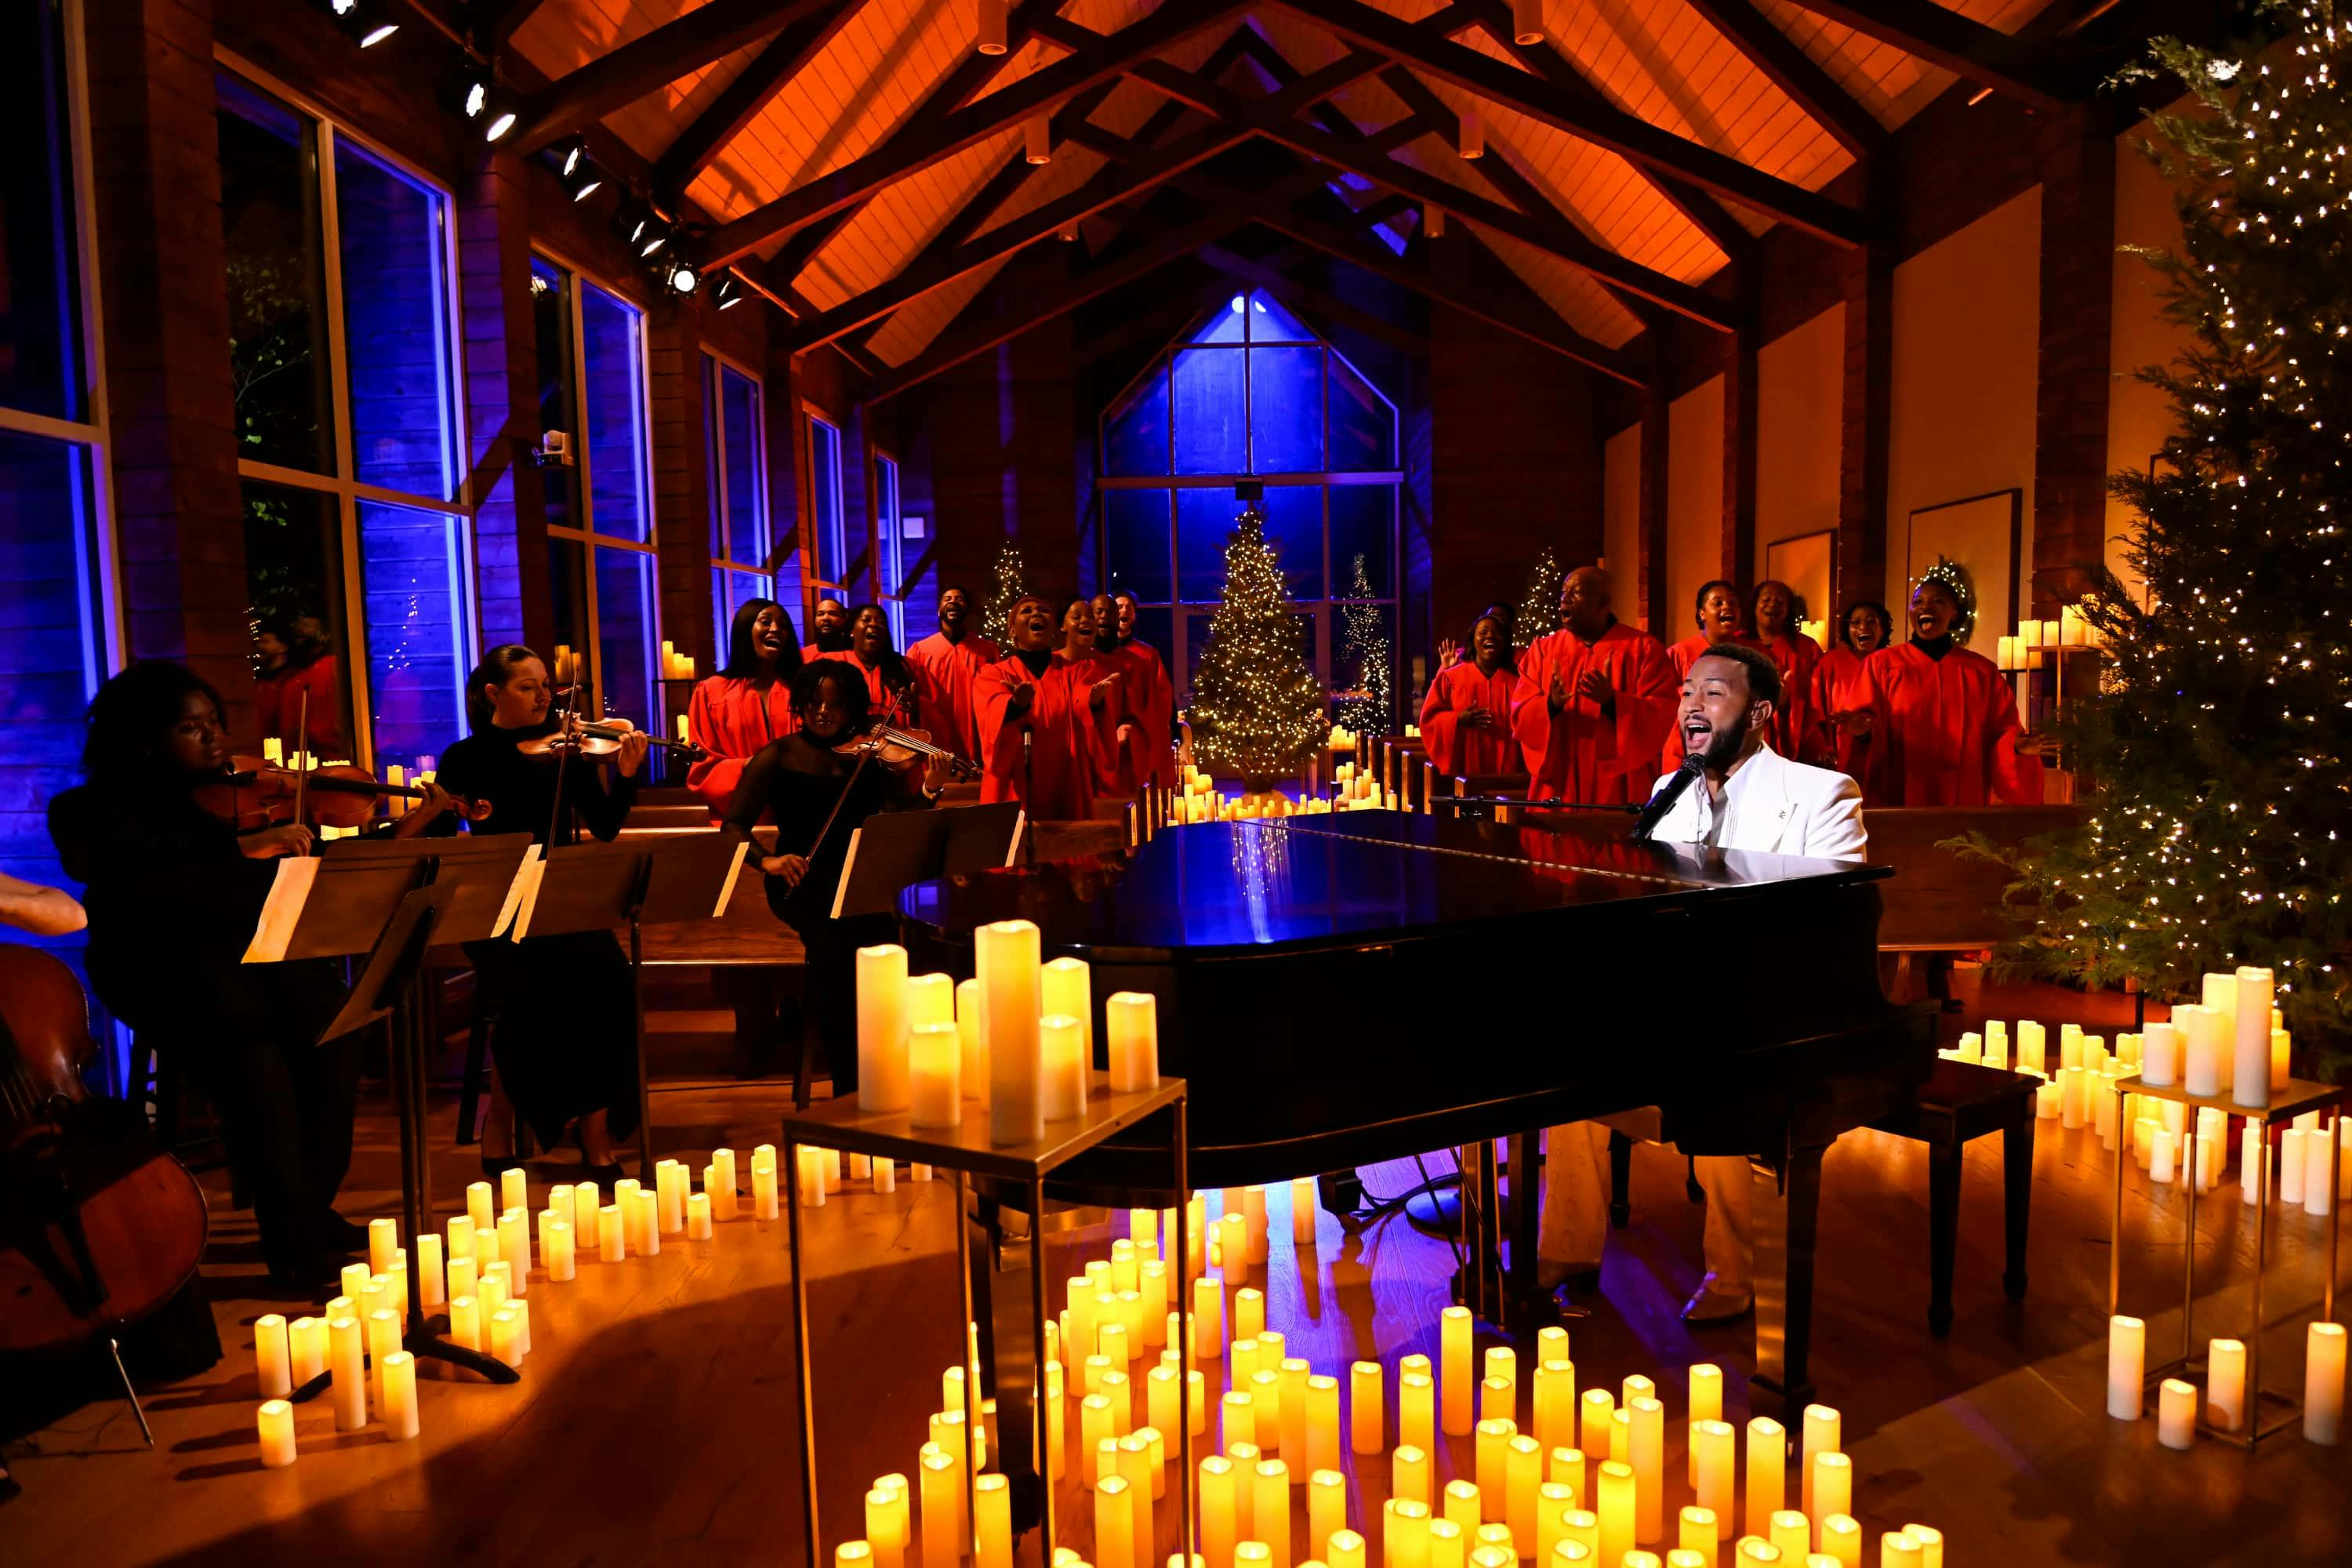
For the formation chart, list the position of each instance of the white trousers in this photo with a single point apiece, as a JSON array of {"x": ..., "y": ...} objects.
[{"x": 1573, "y": 1223}]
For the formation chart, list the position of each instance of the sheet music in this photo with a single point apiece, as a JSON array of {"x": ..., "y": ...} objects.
[
  {"x": 522, "y": 895},
  {"x": 282, "y": 910}
]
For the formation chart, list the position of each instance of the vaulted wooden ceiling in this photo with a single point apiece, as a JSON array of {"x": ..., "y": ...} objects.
[{"x": 866, "y": 164}]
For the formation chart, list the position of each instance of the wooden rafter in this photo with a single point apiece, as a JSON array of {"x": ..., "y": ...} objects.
[
  {"x": 1970, "y": 49},
  {"x": 740, "y": 101},
  {"x": 1600, "y": 123},
  {"x": 700, "y": 38},
  {"x": 961, "y": 127},
  {"x": 1797, "y": 74},
  {"x": 493, "y": 22}
]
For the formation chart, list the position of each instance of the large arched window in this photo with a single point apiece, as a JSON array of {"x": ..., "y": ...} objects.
[{"x": 1250, "y": 394}]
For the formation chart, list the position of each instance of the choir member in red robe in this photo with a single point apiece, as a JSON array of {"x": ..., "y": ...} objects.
[
  {"x": 299, "y": 682},
  {"x": 1943, "y": 720},
  {"x": 1594, "y": 701},
  {"x": 1450, "y": 653},
  {"x": 1839, "y": 694},
  {"x": 747, "y": 704},
  {"x": 896, "y": 689},
  {"x": 1151, "y": 694},
  {"x": 1090, "y": 637},
  {"x": 1057, "y": 705},
  {"x": 946, "y": 661},
  {"x": 1465, "y": 718},
  {"x": 828, "y": 632},
  {"x": 1773, "y": 614}
]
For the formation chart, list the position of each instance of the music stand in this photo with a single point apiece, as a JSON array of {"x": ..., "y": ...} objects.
[
  {"x": 393, "y": 899},
  {"x": 893, "y": 850},
  {"x": 637, "y": 883}
]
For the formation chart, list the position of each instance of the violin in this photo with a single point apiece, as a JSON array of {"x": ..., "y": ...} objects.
[
  {"x": 601, "y": 738},
  {"x": 99, "y": 1225},
  {"x": 904, "y": 749},
  {"x": 255, "y": 793}
]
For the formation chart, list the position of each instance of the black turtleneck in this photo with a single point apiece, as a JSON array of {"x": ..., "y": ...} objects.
[
  {"x": 1036, "y": 664},
  {"x": 1934, "y": 648},
  {"x": 487, "y": 765}
]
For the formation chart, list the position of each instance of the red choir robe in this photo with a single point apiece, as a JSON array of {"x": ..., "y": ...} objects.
[
  {"x": 1120, "y": 765},
  {"x": 732, "y": 718},
  {"x": 1839, "y": 687},
  {"x": 1068, "y": 740},
  {"x": 913, "y": 705},
  {"x": 1944, "y": 732},
  {"x": 948, "y": 668},
  {"x": 1795, "y": 717},
  {"x": 278, "y": 703},
  {"x": 1462, "y": 750},
  {"x": 1577, "y": 754},
  {"x": 1150, "y": 698}
]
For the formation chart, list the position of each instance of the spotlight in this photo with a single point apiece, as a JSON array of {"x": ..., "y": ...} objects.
[
  {"x": 1527, "y": 21},
  {"x": 638, "y": 227},
  {"x": 681, "y": 277},
  {"x": 501, "y": 120},
  {"x": 580, "y": 177},
  {"x": 364, "y": 21},
  {"x": 991, "y": 27},
  {"x": 728, "y": 292}
]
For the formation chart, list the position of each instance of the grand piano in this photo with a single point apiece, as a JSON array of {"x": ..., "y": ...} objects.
[{"x": 1308, "y": 976}]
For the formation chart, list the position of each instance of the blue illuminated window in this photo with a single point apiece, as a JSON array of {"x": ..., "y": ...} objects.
[
  {"x": 741, "y": 542},
  {"x": 826, "y": 535},
  {"x": 1251, "y": 391}
]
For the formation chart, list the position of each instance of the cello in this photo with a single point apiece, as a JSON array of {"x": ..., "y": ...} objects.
[{"x": 100, "y": 1226}]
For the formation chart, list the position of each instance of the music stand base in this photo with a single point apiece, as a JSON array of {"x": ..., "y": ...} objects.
[
  {"x": 427, "y": 1345},
  {"x": 1437, "y": 1213}
]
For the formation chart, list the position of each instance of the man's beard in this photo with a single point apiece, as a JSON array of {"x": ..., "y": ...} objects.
[
  {"x": 1723, "y": 745},
  {"x": 832, "y": 641}
]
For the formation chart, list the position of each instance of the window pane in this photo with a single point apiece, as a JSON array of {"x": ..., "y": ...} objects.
[
  {"x": 1204, "y": 521},
  {"x": 47, "y": 658},
  {"x": 1226, "y": 324},
  {"x": 825, "y": 470},
  {"x": 41, "y": 309},
  {"x": 1135, "y": 445},
  {"x": 551, "y": 308},
  {"x": 395, "y": 328},
  {"x": 1136, "y": 547},
  {"x": 412, "y": 580},
  {"x": 747, "y": 495},
  {"x": 895, "y": 554},
  {"x": 567, "y": 587},
  {"x": 1156, "y": 630},
  {"x": 1358, "y": 633},
  {"x": 1285, "y": 411},
  {"x": 612, "y": 383},
  {"x": 1271, "y": 321},
  {"x": 1363, "y": 425},
  {"x": 1209, "y": 416},
  {"x": 1364, "y": 522},
  {"x": 627, "y": 635},
  {"x": 269, "y": 218},
  {"x": 1294, "y": 526},
  {"x": 294, "y": 589},
  {"x": 730, "y": 589}
]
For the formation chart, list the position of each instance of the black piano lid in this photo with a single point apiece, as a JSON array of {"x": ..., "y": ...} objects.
[{"x": 1306, "y": 882}]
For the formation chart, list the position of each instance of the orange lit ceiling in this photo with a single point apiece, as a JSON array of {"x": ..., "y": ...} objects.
[{"x": 856, "y": 158}]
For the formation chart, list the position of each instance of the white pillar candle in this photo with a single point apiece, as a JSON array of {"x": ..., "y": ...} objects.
[
  {"x": 943, "y": 1542},
  {"x": 1249, "y": 1314},
  {"x": 563, "y": 1262},
  {"x": 466, "y": 1321},
  {"x": 1823, "y": 1433},
  {"x": 1326, "y": 1512},
  {"x": 2202, "y": 1048},
  {"x": 698, "y": 1216},
  {"x": 400, "y": 1407},
  {"x": 273, "y": 1356},
  {"x": 356, "y": 1277},
  {"x": 1598, "y": 1406},
  {"x": 931, "y": 999},
  {"x": 2250, "y": 1072},
  {"x": 1715, "y": 1479},
  {"x": 1829, "y": 1478},
  {"x": 430, "y": 1283},
  {"x": 1896, "y": 1550},
  {"x": 1232, "y": 1248},
  {"x": 1615, "y": 1495},
  {"x": 2127, "y": 1366},
  {"x": 587, "y": 1213},
  {"x": 1457, "y": 1381},
  {"x": 480, "y": 1210},
  {"x": 2293, "y": 1144},
  {"x": 1006, "y": 953},
  {"x": 1706, "y": 1405},
  {"x": 670, "y": 1190},
  {"x": 382, "y": 1328},
  {"x": 1254, "y": 1221},
  {"x": 383, "y": 1239},
  {"x": 514, "y": 1188},
  {"x": 763, "y": 1188},
  {"x": 2160, "y": 1158},
  {"x": 935, "y": 1070},
  {"x": 882, "y": 1029},
  {"x": 494, "y": 1293},
  {"x": 1768, "y": 1471},
  {"x": 2047, "y": 1101},
  {"x": 276, "y": 1421},
  {"x": 1217, "y": 1507},
  {"x": 2032, "y": 1042},
  {"x": 1417, "y": 1410},
  {"x": 1066, "y": 986},
  {"x": 886, "y": 1173},
  {"x": 2323, "y": 1382},
  {"x": 1270, "y": 1510},
  {"x": 612, "y": 1237},
  {"x": 506, "y": 1336},
  {"x": 973, "y": 1058},
  {"x": 2160, "y": 1054},
  {"x": 1320, "y": 1435},
  {"x": 1294, "y": 1371},
  {"x": 2176, "y": 1413},
  {"x": 307, "y": 1349},
  {"x": 2225, "y": 1383},
  {"x": 1647, "y": 1450},
  {"x": 1061, "y": 1042},
  {"x": 2220, "y": 994},
  {"x": 1366, "y": 1407},
  {"x": 649, "y": 1230},
  {"x": 514, "y": 1250},
  {"x": 1132, "y": 1021},
  {"x": 347, "y": 1356},
  {"x": 2072, "y": 1094},
  {"x": 2281, "y": 1060},
  {"x": 1491, "y": 1452},
  {"x": 2254, "y": 1162}
]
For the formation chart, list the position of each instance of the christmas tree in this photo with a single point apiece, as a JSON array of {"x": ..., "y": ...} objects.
[
  {"x": 1539, "y": 606},
  {"x": 1010, "y": 575},
  {"x": 2211, "y": 756},
  {"x": 1369, "y": 709},
  {"x": 1258, "y": 708}
]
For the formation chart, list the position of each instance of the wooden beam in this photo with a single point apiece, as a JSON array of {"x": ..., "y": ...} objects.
[
  {"x": 1797, "y": 74},
  {"x": 1970, "y": 49},
  {"x": 1546, "y": 231},
  {"x": 740, "y": 101},
  {"x": 961, "y": 127},
  {"x": 701, "y": 37},
  {"x": 493, "y": 22},
  {"x": 1601, "y": 124}
]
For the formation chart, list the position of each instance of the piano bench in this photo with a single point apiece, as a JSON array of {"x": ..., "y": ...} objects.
[{"x": 1961, "y": 1102}]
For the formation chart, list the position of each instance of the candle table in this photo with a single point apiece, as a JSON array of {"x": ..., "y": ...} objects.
[
  {"x": 2296, "y": 1097},
  {"x": 968, "y": 1150}
]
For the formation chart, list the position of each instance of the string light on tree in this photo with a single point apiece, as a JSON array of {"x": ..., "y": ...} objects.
[
  {"x": 1009, "y": 580},
  {"x": 1370, "y": 709},
  {"x": 1539, "y": 606},
  {"x": 2213, "y": 755},
  {"x": 1257, "y": 708}
]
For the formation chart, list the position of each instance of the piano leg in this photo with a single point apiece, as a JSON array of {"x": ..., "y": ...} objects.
[{"x": 1786, "y": 1215}]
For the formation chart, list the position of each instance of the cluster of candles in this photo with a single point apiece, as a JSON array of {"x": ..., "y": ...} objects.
[
  {"x": 1018, "y": 1038},
  {"x": 1583, "y": 1481},
  {"x": 480, "y": 1273},
  {"x": 2025, "y": 650},
  {"x": 1197, "y": 799},
  {"x": 675, "y": 666},
  {"x": 2224, "y": 1404}
]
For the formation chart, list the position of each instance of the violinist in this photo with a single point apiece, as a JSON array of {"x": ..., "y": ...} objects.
[
  {"x": 564, "y": 1041},
  {"x": 297, "y": 682},
  {"x": 174, "y": 893},
  {"x": 818, "y": 795},
  {"x": 747, "y": 704}
]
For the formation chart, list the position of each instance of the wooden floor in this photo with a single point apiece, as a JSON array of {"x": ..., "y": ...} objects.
[{"x": 654, "y": 1421}]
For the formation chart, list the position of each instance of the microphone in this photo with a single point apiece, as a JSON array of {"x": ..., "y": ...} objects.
[{"x": 1693, "y": 764}]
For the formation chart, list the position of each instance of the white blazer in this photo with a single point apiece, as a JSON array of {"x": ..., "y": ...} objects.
[{"x": 1775, "y": 806}]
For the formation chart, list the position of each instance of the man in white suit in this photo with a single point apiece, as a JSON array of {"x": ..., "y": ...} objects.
[{"x": 1747, "y": 798}]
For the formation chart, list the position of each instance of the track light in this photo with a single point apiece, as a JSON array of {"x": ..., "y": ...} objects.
[
  {"x": 1473, "y": 143},
  {"x": 681, "y": 277},
  {"x": 1039, "y": 132},
  {"x": 365, "y": 21},
  {"x": 728, "y": 292},
  {"x": 1527, "y": 21},
  {"x": 582, "y": 178},
  {"x": 991, "y": 27},
  {"x": 1432, "y": 222},
  {"x": 501, "y": 120}
]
